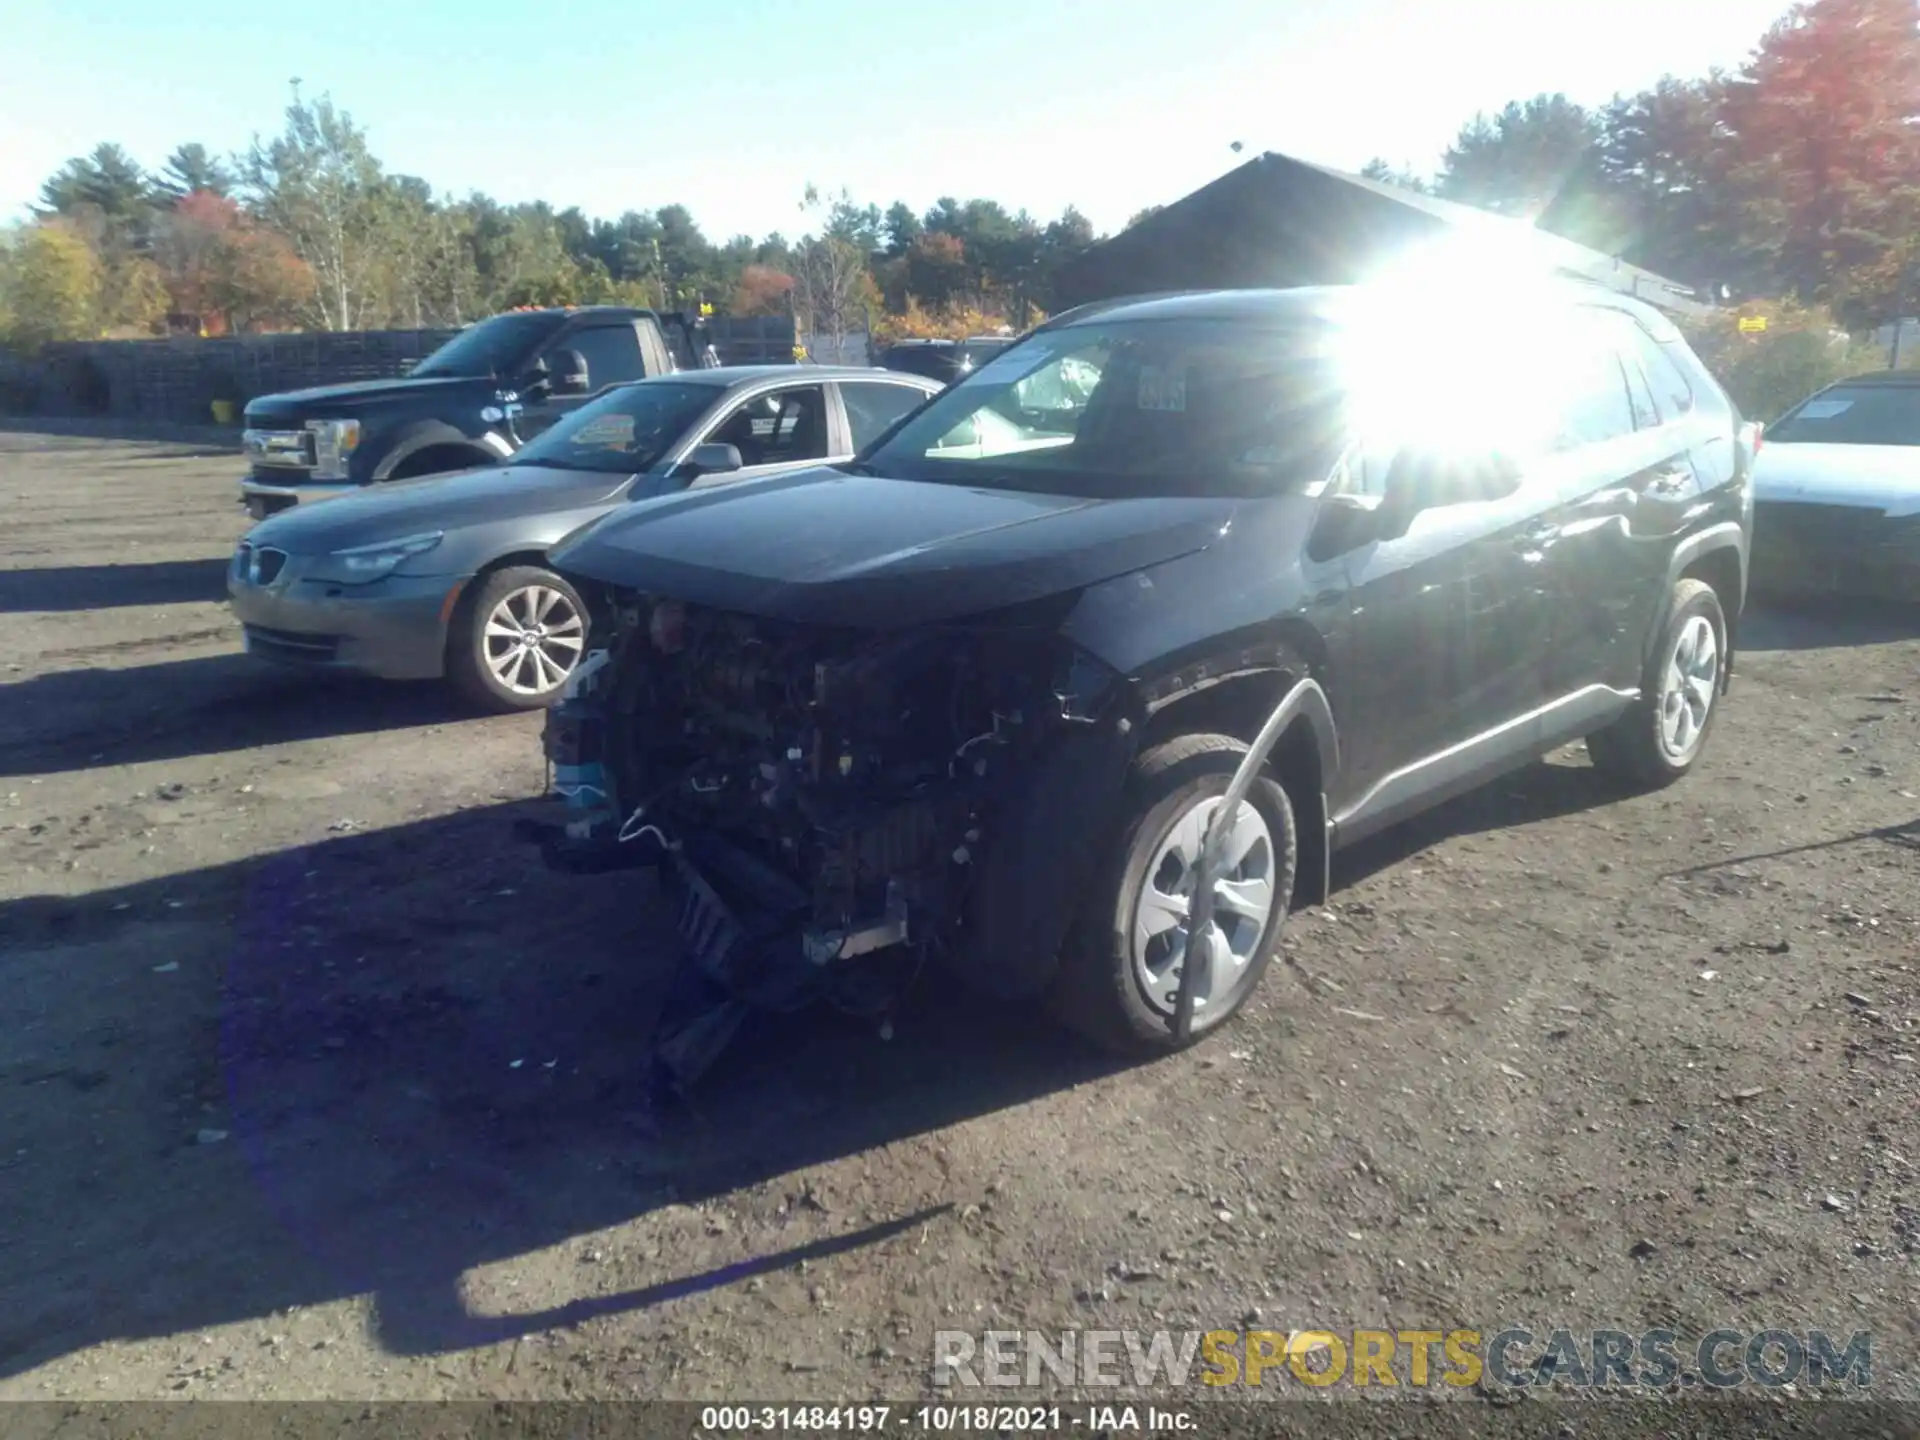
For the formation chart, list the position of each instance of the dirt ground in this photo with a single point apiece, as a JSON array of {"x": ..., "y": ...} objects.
[{"x": 313, "y": 1084}]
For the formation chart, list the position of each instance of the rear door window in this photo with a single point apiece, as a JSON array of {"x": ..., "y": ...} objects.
[
  {"x": 1590, "y": 387},
  {"x": 873, "y": 405},
  {"x": 1646, "y": 415},
  {"x": 1671, "y": 392}
]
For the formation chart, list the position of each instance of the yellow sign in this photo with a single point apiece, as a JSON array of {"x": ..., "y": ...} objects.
[
  {"x": 1752, "y": 324},
  {"x": 706, "y": 309}
]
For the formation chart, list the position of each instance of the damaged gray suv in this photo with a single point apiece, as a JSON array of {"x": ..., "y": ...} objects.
[{"x": 1072, "y": 682}]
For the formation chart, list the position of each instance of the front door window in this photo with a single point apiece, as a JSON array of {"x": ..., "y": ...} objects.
[{"x": 778, "y": 427}]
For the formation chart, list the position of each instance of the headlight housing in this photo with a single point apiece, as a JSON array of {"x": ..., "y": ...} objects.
[
  {"x": 334, "y": 442},
  {"x": 366, "y": 563}
]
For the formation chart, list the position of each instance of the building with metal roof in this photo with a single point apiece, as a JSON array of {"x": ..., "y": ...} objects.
[{"x": 1278, "y": 221}]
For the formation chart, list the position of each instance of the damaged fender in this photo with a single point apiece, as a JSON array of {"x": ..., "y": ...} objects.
[
  {"x": 1305, "y": 698},
  {"x": 1045, "y": 847}
]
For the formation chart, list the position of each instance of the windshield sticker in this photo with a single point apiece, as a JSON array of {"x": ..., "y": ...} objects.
[
  {"x": 607, "y": 432},
  {"x": 1823, "y": 409},
  {"x": 1162, "y": 388}
]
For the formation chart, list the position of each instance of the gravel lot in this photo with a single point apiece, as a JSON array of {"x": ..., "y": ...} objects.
[{"x": 312, "y": 1085}]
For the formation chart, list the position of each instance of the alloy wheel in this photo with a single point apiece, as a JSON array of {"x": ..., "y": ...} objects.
[
  {"x": 1691, "y": 680},
  {"x": 532, "y": 639}
]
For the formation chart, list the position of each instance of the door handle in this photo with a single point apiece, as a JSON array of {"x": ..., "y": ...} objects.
[{"x": 1670, "y": 481}]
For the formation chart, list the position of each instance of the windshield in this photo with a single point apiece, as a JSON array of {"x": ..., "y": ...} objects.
[
  {"x": 1853, "y": 415},
  {"x": 1145, "y": 407},
  {"x": 491, "y": 349},
  {"x": 622, "y": 432}
]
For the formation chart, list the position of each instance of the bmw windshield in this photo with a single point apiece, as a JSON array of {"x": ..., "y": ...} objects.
[
  {"x": 1141, "y": 407},
  {"x": 624, "y": 431}
]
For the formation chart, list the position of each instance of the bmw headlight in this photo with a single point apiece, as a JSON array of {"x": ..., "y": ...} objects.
[
  {"x": 334, "y": 442},
  {"x": 365, "y": 563}
]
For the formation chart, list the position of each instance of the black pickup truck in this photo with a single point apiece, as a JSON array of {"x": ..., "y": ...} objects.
[{"x": 474, "y": 401}]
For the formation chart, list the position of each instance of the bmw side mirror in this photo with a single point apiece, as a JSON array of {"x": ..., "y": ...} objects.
[{"x": 713, "y": 460}]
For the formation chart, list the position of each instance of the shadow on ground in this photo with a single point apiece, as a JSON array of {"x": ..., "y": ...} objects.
[
  {"x": 36, "y": 434},
  {"x": 204, "y": 705},
  {"x": 1826, "y": 624},
  {"x": 107, "y": 587},
  {"x": 426, "y": 1052}
]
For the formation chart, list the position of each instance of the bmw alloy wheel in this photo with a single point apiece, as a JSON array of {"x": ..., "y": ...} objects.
[{"x": 532, "y": 640}]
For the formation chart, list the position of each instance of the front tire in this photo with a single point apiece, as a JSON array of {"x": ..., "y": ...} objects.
[
  {"x": 516, "y": 638},
  {"x": 1121, "y": 965},
  {"x": 1665, "y": 733}
]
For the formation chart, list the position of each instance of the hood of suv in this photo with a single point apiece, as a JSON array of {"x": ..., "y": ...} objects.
[
  {"x": 326, "y": 402},
  {"x": 829, "y": 547}
]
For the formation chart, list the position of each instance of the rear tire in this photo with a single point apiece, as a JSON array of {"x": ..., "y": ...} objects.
[
  {"x": 1665, "y": 733},
  {"x": 517, "y": 635},
  {"x": 1117, "y": 970}
]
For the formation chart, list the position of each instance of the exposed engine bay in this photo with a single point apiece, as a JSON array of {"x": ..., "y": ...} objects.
[{"x": 820, "y": 800}]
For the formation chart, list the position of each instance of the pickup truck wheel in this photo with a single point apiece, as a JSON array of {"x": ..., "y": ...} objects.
[
  {"x": 1120, "y": 970},
  {"x": 1665, "y": 733},
  {"x": 515, "y": 638}
]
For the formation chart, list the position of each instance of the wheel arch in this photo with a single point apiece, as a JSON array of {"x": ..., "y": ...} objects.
[
  {"x": 462, "y": 609},
  {"x": 1717, "y": 557},
  {"x": 463, "y": 662},
  {"x": 419, "y": 440},
  {"x": 1303, "y": 752}
]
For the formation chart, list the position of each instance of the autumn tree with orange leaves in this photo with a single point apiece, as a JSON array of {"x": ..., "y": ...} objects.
[
  {"x": 1822, "y": 124},
  {"x": 226, "y": 271}
]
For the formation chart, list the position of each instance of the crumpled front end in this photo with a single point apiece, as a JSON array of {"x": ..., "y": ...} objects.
[{"x": 831, "y": 808}]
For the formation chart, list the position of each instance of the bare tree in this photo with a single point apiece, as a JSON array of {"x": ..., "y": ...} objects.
[
  {"x": 321, "y": 187},
  {"x": 833, "y": 290}
]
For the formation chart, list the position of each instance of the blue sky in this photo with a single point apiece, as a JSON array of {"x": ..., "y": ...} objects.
[{"x": 731, "y": 106}]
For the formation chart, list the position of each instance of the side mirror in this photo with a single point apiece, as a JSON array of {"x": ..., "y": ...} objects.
[
  {"x": 1424, "y": 480},
  {"x": 573, "y": 378},
  {"x": 966, "y": 433},
  {"x": 538, "y": 380},
  {"x": 713, "y": 460}
]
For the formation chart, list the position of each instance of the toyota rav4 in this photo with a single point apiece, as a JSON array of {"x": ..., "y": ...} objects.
[{"x": 1073, "y": 681}]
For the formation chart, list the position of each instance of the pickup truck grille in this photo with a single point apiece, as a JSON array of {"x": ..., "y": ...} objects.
[{"x": 271, "y": 453}]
